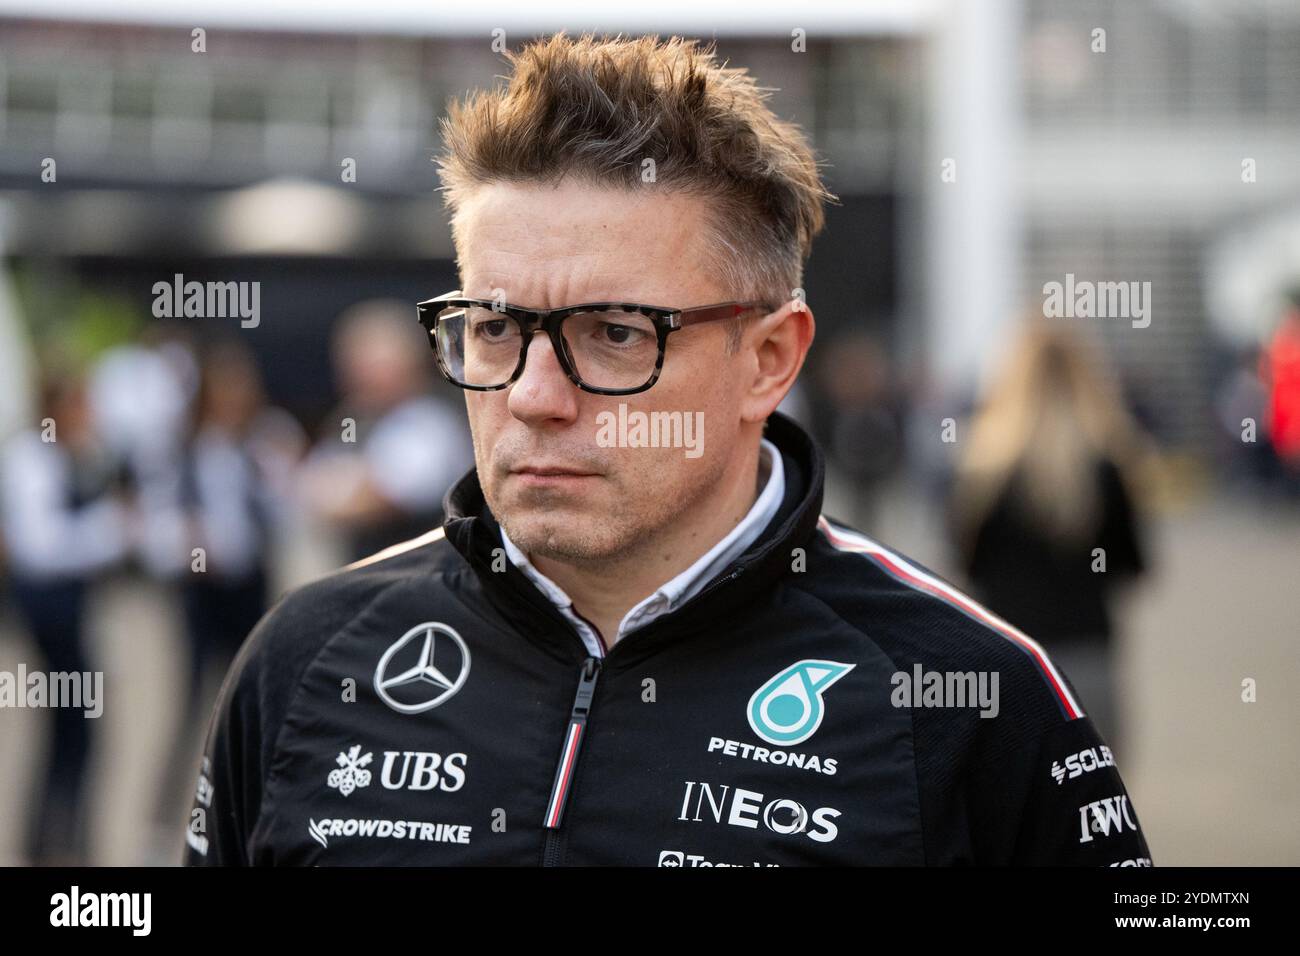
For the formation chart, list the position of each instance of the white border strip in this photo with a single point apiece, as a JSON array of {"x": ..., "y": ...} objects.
[
  {"x": 400, "y": 548},
  {"x": 861, "y": 543},
  {"x": 422, "y": 18}
]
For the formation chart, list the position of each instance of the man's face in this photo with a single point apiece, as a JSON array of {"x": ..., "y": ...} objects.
[{"x": 556, "y": 490}]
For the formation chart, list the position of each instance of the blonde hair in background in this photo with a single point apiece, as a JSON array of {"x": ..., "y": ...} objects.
[{"x": 1050, "y": 416}]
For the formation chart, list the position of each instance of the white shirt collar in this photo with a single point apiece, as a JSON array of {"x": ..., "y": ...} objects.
[{"x": 672, "y": 594}]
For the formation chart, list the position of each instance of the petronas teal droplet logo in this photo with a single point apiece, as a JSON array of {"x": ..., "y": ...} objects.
[{"x": 788, "y": 709}]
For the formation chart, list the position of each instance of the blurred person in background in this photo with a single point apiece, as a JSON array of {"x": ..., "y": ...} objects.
[
  {"x": 1243, "y": 398},
  {"x": 233, "y": 481},
  {"x": 1280, "y": 369},
  {"x": 141, "y": 393},
  {"x": 1042, "y": 484},
  {"x": 65, "y": 519},
  {"x": 865, "y": 428},
  {"x": 383, "y": 480}
]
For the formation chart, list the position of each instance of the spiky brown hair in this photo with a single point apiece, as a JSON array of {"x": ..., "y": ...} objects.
[{"x": 598, "y": 108}]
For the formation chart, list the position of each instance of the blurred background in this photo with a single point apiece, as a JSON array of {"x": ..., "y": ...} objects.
[{"x": 1120, "y": 479}]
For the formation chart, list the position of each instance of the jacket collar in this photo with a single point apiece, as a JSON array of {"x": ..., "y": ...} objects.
[{"x": 474, "y": 532}]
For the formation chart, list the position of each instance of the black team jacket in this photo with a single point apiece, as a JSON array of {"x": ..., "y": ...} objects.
[{"x": 824, "y": 700}]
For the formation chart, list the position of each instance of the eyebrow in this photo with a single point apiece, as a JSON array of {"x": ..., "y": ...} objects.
[
  {"x": 514, "y": 303},
  {"x": 590, "y": 299}
]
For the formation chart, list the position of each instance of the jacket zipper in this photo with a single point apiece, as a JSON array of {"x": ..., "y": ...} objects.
[{"x": 566, "y": 766}]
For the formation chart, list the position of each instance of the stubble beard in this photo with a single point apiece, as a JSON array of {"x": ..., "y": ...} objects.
[{"x": 599, "y": 541}]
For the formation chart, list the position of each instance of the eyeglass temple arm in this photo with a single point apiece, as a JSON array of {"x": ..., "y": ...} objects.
[{"x": 714, "y": 313}]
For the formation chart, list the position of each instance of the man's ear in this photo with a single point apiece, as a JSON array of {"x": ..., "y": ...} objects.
[{"x": 776, "y": 346}]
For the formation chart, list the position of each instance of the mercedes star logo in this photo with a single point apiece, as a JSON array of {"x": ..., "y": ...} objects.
[{"x": 411, "y": 682}]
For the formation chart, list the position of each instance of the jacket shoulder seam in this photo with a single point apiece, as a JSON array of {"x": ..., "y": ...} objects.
[{"x": 905, "y": 573}]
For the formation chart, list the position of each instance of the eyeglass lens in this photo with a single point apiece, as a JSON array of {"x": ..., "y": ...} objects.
[{"x": 612, "y": 349}]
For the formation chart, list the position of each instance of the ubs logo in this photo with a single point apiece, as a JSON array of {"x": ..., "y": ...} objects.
[{"x": 423, "y": 668}]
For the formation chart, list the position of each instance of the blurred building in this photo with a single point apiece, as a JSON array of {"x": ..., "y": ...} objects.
[
  {"x": 1133, "y": 168},
  {"x": 303, "y": 160},
  {"x": 1101, "y": 155}
]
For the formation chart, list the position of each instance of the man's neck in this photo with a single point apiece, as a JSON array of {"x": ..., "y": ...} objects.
[{"x": 604, "y": 595}]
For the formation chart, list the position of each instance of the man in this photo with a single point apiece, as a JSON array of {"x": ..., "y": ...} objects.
[
  {"x": 65, "y": 522},
  {"x": 388, "y": 485},
  {"x": 635, "y": 639}
]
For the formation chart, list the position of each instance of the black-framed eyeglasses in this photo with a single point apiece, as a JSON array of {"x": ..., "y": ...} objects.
[{"x": 610, "y": 348}]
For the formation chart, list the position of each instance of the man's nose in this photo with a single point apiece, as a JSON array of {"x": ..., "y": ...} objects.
[{"x": 543, "y": 392}]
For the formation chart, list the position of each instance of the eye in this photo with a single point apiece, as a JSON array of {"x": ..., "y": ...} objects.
[
  {"x": 492, "y": 329},
  {"x": 613, "y": 333},
  {"x": 619, "y": 334}
]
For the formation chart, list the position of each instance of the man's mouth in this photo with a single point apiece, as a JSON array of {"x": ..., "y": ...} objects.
[{"x": 541, "y": 475}]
